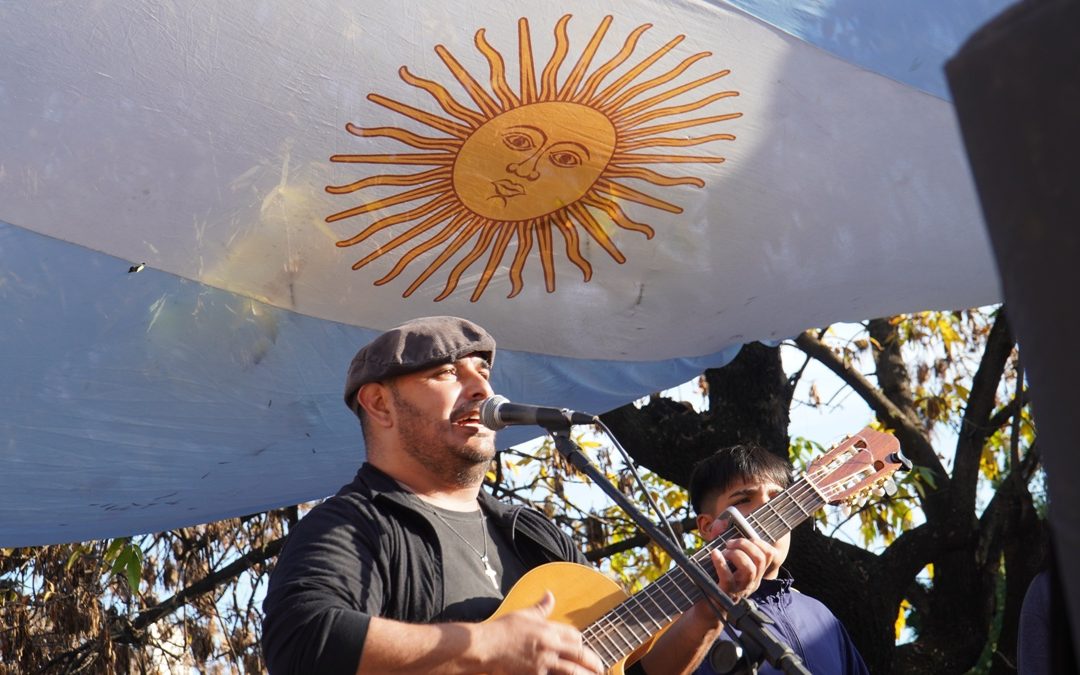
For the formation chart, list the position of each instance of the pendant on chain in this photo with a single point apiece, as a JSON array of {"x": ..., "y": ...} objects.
[{"x": 490, "y": 572}]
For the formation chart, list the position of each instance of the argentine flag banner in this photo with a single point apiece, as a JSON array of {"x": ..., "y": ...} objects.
[{"x": 206, "y": 208}]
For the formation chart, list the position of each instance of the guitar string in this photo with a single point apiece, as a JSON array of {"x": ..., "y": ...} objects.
[
  {"x": 792, "y": 496},
  {"x": 614, "y": 628},
  {"x": 602, "y": 630},
  {"x": 766, "y": 522}
]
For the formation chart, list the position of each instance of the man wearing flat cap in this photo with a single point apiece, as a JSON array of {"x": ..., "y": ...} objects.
[{"x": 395, "y": 572}]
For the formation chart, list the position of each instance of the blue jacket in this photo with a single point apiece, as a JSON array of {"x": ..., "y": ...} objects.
[{"x": 808, "y": 627}]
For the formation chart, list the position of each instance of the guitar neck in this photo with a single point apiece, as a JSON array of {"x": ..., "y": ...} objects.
[{"x": 628, "y": 626}]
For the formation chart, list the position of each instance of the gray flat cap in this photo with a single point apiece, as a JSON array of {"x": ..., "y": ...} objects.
[{"x": 416, "y": 345}]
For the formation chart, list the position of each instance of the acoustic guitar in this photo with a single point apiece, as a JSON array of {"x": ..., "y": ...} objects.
[{"x": 620, "y": 628}]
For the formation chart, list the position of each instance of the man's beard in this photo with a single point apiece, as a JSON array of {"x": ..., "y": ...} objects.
[{"x": 463, "y": 465}]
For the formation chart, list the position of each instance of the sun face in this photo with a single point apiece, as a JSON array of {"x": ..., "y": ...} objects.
[
  {"x": 531, "y": 161},
  {"x": 522, "y": 166}
]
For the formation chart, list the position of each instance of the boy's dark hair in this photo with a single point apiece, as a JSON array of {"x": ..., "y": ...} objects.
[{"x": 736, "y": 464}]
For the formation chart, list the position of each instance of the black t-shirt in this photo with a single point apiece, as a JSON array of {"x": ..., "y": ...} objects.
[{"x": 465, "y": 536}]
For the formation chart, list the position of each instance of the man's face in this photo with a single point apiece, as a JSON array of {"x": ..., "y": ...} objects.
[
  {"x": 747, "y": 497},
  {"x": 437, "y": 416}
]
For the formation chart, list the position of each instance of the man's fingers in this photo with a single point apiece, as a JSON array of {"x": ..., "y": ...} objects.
[{"x": 546, "y": 604}]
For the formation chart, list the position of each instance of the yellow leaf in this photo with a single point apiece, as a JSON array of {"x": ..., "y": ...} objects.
[{"x": 901, "y": 617}]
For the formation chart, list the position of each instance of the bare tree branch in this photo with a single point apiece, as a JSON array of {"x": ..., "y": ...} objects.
[
  {"x": 912, "y": 437},
  {"x": 975, "y": 427}
]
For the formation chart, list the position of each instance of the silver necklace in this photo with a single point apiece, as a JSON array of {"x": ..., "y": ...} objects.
[{"x": 488, "y": 570}]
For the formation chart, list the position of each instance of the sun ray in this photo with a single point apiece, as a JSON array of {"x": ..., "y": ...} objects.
[
  {"x": 425, "y": 158},
  {"x": 415, "y": 230},
  {"x": 674, "y": 126},
  {"x": 455, "y": 224},
  {"x": 497, "y": 72},
  {"x": 659, "y": 142},
  {"x": 669, "y": 94},
  {"x": 526, "y": 69},
  {"x": 653, "y": 177},
  {"x": 389, "y": 221},
  {"x": 407, "y": 196},
  {"x": 465, "y": 263},
  {"x": 618, "y": 216},
  {"x": 434, "y": 121},
  {"x": 582, "y": 216},
  {"x": 406, "y": 137},
  {"x": 632, "y": 74},
  {"x": 577, "y": 73},
  {"x": 548, "y": 79},
  {"x": 620, "y": 191},
  {"x": 600, "y": 73},
  {"x": 632, "y": 122},
  {"x": 670, "y": 75},
  {"x": 444, "y": 98},
  {"x": 547, "y": 262},
  {"x": 391, "y": 179},
  {"x": 480, "y": 97},
  {"x": 498, "y": 250},
  {"x": 517, "y": 281},
  {"x": 634, "y": 158},
  {"x": 450, "y": 250},
  {"x": 573, "y": 244}
]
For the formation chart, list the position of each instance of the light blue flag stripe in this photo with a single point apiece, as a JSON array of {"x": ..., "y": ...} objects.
[{"x": 135, "y": 402}]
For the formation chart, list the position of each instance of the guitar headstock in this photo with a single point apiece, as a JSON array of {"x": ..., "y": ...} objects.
[{"x": 861, "y": 464}]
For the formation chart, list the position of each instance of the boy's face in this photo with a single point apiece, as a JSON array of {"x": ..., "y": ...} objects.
[{"x": 747, "y": 497}]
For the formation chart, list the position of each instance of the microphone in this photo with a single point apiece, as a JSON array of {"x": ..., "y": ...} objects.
[{"x": 498, "y": 412}]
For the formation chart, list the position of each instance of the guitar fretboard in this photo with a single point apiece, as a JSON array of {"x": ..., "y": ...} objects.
[{"x": 632, "y": 623}]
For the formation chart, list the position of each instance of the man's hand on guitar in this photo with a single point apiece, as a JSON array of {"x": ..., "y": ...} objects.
[
  {"x": 525, "y": 641},
  {"x": 742, "y": 562},
  {"x": 741, "y": 565}
]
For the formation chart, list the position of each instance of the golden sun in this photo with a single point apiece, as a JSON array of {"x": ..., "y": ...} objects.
[{"x": 522, "y": 165}]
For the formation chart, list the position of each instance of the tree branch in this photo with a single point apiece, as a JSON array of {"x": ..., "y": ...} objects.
[
  {"x": 123, "y": 630},
  {"x": 975, "y": 427},
  {"x": 914, "y": 442},
  {"x": 687, "y": 524}
]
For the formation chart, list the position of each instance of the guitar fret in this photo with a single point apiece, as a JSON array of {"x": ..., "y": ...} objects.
[
  {"x": 650, "y": 595},
  {"x": 675, "y": 591},
  {"x": 772, "y": 507},
  {"x": 631, "y": 623},
  {"x": 599, "y": 644}
]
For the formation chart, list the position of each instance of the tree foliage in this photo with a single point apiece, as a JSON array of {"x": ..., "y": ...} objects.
[{"x": 941, "y": 566}]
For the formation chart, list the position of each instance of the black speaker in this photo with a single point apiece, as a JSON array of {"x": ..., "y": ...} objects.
[{"x": 1016, "y": 87}]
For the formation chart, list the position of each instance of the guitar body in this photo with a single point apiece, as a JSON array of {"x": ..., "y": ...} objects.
[{"x": 582, "y": 595}]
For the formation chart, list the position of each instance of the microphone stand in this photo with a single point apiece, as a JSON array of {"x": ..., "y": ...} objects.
[{"x": 744, "y": 615}]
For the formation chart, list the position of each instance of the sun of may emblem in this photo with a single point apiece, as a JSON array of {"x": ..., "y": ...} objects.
[{"x": 520, "y": 165}]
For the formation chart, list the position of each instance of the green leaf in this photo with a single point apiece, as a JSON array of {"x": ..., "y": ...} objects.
[{"x": 115, "y": 546}]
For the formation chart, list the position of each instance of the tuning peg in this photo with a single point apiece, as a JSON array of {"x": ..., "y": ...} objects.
[
  {"x": 879, "y": 491},
  {"x": 899, "y": 458},
  {"x": 862, "y": 500},
  {"x": 890, "y": 486}
]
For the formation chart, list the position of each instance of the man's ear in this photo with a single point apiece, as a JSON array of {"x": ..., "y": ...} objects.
[
  {"x": 374, "y": 398},
  {"x": 704, "y": 520}
]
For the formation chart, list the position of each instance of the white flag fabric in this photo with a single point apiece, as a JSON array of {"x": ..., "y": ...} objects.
[{"x": 206, "y": 209}]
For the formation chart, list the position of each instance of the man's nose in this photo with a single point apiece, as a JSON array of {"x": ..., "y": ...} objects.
[{"x": 477, "y": 386}]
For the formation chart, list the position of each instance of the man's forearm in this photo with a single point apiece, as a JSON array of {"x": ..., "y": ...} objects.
[
  {"x": 438, "y": 649},
  {"x": 683, "y": 646}
]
